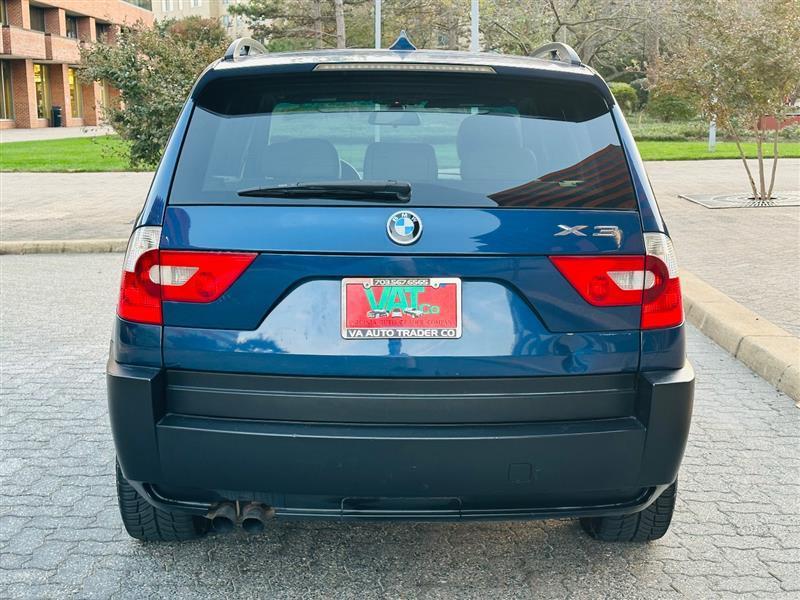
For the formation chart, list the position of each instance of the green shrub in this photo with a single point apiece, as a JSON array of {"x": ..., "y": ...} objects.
[
  {"x": 671, "y": 108},
  {"x": 791, "y": 132},
  {"x": 154, "y": 69},
  {"x": 625, "y": 95}
]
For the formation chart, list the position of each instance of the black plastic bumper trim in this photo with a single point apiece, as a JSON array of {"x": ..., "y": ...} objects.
[
  {"x": 377, "y": 400},
  {"x": 617, "y": 508},
  {"x": 640, "y": 451}
]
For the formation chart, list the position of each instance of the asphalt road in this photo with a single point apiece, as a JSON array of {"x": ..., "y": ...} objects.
[{"x": 736, "y": 530}]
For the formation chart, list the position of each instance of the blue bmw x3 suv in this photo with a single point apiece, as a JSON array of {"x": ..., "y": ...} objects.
[{"x": 399, "y": 284}]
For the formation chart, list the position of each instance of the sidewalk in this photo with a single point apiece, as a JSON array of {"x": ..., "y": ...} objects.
[
  {"x": 64, "y": 206},
  {"x": 749, "y": 254},
  {"x": 52, "y": 133}
]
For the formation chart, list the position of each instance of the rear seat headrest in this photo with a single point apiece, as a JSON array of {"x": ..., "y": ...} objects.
[
  {"x": 490, "y": 148},
  {"x": 400, "y": 161},
  {"x": 301, "y": 159},
  {"x": 487, "y": 131}
]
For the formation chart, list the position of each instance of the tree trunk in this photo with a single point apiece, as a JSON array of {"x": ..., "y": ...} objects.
[
  {"x": 762, "y": 183},
  {"x": 341, "y": 36},
  {"x": 774, "y": 161},
  {"x": 744, "y": 159},
  {"x": 316, "y": 17}
]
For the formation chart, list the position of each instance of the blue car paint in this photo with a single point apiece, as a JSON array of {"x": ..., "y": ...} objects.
[
  {"x": 271, "y": 276},
  {"x": 362, "y": 230},
  {"x": 501, "y": 337},
  {"x": 137, "y": 343},
  {"x": 663, "y": 349}
]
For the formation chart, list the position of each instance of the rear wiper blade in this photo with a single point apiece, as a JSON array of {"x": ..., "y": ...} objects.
[{"x": 369, "y": 191}]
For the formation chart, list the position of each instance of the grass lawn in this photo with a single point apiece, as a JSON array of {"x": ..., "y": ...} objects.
[
  {"x": 652, "y": 150},
  {"x": 107, "y": 153},
  {"x": 102, "y": 153}
]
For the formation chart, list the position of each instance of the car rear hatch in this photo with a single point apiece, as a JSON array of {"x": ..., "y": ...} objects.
[{"x": 529, "y": 260}]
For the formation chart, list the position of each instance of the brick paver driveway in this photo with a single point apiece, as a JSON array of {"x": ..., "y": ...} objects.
[{"x": 736, "y": 531}]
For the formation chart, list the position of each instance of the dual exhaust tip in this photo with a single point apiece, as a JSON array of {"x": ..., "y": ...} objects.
[{"x": 253, "y": 517}]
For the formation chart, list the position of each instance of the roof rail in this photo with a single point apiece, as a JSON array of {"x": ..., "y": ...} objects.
[
  {"x": 558, "y": 51},
  {"x": 243, "y": 47}
]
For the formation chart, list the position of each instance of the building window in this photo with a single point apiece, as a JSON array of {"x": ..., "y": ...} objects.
[
  {"x": 6, "y": 93},
  {"x": 37, "y": 18},
  {"x": 164, "y": 6},
  {"x": 75, "y": 93},
  {"x": 101, "y": 31},
  {"x": 72, "y": 27},
  {"x": 105, "y": 95},
  {"x": 42, "y": 83},
  {"x": 3, "y": 12}
]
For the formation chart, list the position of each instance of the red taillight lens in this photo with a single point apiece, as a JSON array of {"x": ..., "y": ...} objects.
[
  {"x": 662, "y": 304},
  {"x": 604, "y": 280},
  {"x": 150, "y": 276},
  {"x": 200, "y": 276},
  {"x": 139, "y": 297},
  {"x": 650, "y": 281}
]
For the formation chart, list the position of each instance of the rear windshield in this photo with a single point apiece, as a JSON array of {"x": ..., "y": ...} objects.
[{"x": 458, "y": 140}]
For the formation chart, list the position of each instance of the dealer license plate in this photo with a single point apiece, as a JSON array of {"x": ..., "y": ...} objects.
[{"x": 401, "y": 307}]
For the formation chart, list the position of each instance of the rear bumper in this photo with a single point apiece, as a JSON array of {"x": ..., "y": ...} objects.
[{"x": 585, "y": 450}]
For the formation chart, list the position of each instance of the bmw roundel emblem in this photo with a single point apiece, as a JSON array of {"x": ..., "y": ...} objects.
[{"x": 404, "y": 227}]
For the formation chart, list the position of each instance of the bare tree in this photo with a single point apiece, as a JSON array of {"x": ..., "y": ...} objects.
[
  {"x": 741, "y": 64},
  {"x": 613, "y": 36}
]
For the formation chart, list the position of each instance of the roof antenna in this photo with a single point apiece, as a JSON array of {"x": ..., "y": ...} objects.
[{"x": 402, "y": 42}]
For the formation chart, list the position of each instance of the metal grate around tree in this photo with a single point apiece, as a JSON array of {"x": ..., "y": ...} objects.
[{"x": 779, "y": 199}]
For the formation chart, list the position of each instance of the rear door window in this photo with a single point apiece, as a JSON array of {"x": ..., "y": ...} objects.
[{"x": 458, "y": 140}]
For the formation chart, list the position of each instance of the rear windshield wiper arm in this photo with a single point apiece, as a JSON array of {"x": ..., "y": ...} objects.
[{"x": 369, "y": 191}]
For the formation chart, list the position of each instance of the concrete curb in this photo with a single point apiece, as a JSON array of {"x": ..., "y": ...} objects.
[
  {"x": 771, "y": 352},
  {"x": 62, "y": 246}
]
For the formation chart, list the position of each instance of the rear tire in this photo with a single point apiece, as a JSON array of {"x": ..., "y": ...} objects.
[
  {"x": 644, "y": 526},
  {"x": 145, "y": 522}
]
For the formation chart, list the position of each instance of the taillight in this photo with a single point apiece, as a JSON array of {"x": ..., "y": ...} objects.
[
  {"x": 139, "y": 297},
  {"x": 650, "y": 281},
  {"x": 604, "y": 280},
  {"x": 151, "y": 275},
  {"x": 199, "y": 276},
  {"x": 662, "y": 304}
]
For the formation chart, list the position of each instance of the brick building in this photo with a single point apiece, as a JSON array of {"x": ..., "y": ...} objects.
[{"x": 39, "y": 53}]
